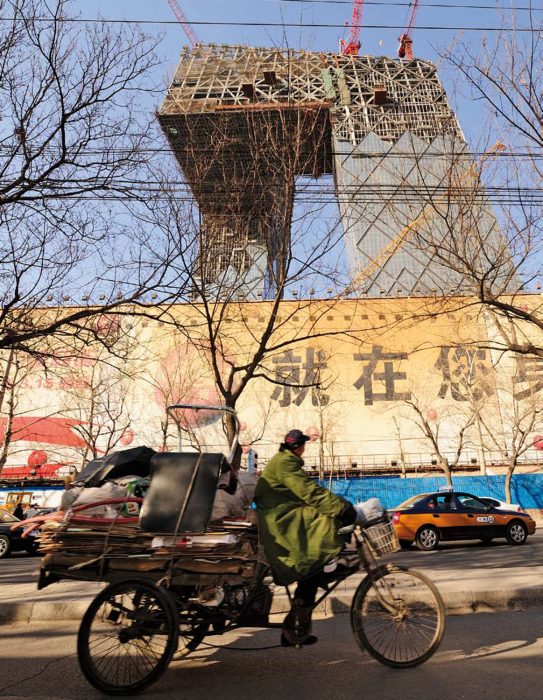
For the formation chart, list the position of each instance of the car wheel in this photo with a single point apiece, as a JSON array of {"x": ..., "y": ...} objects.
[
  {"x": 516, "y": 533},
  {"x": 405, "y": 544},
  {"x": 5, "y": 546},
  {"x": 427, "y": 538}
]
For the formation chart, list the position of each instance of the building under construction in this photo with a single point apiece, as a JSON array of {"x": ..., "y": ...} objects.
[{"x": 245, "y": 123}]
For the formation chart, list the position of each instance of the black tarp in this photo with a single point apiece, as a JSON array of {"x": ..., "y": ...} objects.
[
  {"x": 182, "y": 491},
  {"x": 135, "y": 461}
]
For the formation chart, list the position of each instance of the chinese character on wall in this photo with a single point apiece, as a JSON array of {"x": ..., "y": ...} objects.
[
  {"x": 297, "y": 378},
  {"x": 465, "y": 371},
  {"x": 530, "y": 374},
  {"x": 386, "y": 377}
]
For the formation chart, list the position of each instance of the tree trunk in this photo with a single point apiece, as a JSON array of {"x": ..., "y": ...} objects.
[
  {"x": 446, "y": 470},
  {"x": 9, "y": 422},
  {"x": 508, "y": 478},
  {"x": 321, "y": 459},
  {"x": 6, "y": 443},
  {"x": 321, "y": 445},
  {"x": 482, "y": 459},
  {"x": 231, "y": 430},
  {"x": 331, "y": 477}
]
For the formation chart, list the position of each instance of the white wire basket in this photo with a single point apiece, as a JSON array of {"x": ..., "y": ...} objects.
[{"x": 382, "y": 538}]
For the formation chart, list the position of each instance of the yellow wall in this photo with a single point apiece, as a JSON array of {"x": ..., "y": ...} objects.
[{"x": 372, "y": 357}]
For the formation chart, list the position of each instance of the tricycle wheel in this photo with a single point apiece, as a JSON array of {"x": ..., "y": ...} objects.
[{"x": 127, "y": 637}]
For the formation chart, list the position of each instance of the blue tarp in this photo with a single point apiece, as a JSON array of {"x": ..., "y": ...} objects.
[{"x": 526, "y": 489}]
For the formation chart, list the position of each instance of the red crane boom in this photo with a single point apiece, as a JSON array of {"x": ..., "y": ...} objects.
[
  {"x": 352, "y": 47},
  {"x": 183, "y": 21},
  {"x": 405, "y": 49}
]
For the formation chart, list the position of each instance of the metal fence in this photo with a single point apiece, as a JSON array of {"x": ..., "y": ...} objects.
[{"x": 417, "y": 463}]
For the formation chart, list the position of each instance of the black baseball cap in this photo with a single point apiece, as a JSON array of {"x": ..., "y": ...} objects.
[{"x": 295, "y": 438}]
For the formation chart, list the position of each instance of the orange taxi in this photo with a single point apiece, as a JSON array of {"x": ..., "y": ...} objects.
[{"x": 431, "y": 518}]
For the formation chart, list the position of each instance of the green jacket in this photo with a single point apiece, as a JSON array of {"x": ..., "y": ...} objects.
[{"x": 297, "y": 519}]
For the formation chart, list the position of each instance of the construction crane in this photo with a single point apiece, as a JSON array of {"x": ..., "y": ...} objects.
[
  {"x": 411, "y": 229},
  {"x": 183, "y": 21},
  {"x": 352, "y": 47},
  {"x": 405, "y": 49}
]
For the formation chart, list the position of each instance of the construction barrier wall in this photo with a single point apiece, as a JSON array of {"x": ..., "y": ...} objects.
[{"x": 526, "y": 489}]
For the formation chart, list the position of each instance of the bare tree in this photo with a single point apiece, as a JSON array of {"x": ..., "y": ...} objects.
[
  {"x": 75, "y": 146},
  {"x": 504, "y": 76},
  {"x": 100, "y": 398},
  {"x": 29, "y": 412},
  {"x": 469, "y": 216},
  {"x": 520, "y": 412},
  {"x": 442, "y": 432},
  {"x": 254, "y": 245},
  {"x": 14, "y": 371},
  {"x": 182, "y": 376},
  {"x": 399, "y": 438},
  {"x": 329, "y": 409}
]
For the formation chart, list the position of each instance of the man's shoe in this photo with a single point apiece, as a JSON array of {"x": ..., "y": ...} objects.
[
  {"x": 307, "y": 641},
  {"x": 297, "y": 623}
]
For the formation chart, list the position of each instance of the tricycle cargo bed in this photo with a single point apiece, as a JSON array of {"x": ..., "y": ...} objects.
[{"x": 201, "y": 558}]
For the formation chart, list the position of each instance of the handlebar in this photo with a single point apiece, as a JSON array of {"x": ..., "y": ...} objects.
[{"x": 348, "y": 529}]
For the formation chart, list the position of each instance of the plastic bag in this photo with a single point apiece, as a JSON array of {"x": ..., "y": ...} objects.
[
  {"x": 137, "y": 487},
  {"x": 369, "y": 510},
  {"x": 101, "y": 493}
]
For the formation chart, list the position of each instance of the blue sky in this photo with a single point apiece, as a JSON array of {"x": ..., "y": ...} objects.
[
  {"x": 375, "y": 40},
  {"x": 321, "y": 12}
]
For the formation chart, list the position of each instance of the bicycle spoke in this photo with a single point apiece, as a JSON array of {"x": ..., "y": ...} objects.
[
  {"x": 397, "y": 616},
  {"x": 127, "y": 637}
]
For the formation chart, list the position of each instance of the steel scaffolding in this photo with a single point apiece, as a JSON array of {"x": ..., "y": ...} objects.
[{"x": 245, "y": 122}]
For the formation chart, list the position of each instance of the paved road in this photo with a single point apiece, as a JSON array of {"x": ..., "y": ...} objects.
[
  {"x": 482, "y": 657},
  {"x": 470, "y": 576}
]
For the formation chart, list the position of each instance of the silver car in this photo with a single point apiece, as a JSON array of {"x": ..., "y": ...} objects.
[{"x": 500, "y": 505}]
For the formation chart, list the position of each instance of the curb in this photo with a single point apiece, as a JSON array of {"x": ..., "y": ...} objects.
[
  {"x": 457, "y": 603},
  {"x": 467, "y": 602},
  {"x": 42, "y": 611}
]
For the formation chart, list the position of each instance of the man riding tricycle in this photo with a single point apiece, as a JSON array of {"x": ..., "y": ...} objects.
[{"x": 176, "y": 575}]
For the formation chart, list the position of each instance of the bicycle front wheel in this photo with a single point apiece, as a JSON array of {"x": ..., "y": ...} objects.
[{"x": 398, "y": 616}]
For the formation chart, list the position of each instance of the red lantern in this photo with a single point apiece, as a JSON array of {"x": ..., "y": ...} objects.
[
  {"x": 431, "y": 414},
  {"x": 314, "y": 433},
  {"x": 538, "y": 442},
  {"x": 37, "y": 458},
  {"x": 127, "y": 437}
]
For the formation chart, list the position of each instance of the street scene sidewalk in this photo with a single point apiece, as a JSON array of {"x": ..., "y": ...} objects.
[{"x": 470, "y": 577}]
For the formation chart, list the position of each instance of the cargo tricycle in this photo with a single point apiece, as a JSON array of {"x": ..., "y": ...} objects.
[{"x": 175, "y": 577}]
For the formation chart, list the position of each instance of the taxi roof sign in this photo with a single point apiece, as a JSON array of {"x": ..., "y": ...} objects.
[{"x": 446, "y": 488}]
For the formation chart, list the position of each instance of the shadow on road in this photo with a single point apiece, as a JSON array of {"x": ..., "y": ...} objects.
[{"x": 496, "y": 656}]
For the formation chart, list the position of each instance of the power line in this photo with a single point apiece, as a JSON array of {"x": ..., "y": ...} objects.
[
  {"x": 354, "y": 190},
  {"x": 282, "y": 25},
  {"x": 520, "y": 197},
  {"x": 408, "y": 4},
  {"x": 455, "y": 157},
  {"x": 422, "y": 189}
]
